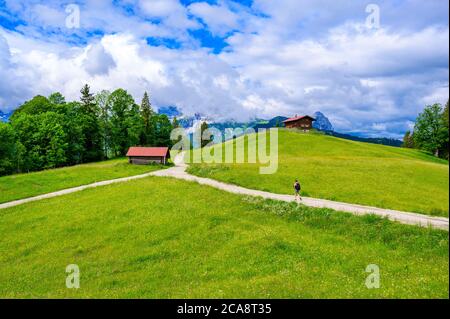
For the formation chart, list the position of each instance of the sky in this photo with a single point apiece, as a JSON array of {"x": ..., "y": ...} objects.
[{"x": 369, "y": 66}]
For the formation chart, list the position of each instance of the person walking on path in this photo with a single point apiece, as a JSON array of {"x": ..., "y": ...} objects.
[{"x": 297, "y": 189}]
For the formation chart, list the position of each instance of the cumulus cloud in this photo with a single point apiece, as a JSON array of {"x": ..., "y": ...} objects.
[
  {"x": 356, "y": 76},
  {"x": 12, "y": 91},
  {"x": 219, "y": 18},
  {"x": 98, "y": 61},
  {"x": 171, "y": 11},
  {"x": 181, "y": 78},
  {"x": 46, "y": 20},
  {"x": 282, "y": 57}
]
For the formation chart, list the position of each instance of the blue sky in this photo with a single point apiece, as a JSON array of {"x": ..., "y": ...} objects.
[{"x": 236, "y": 59}]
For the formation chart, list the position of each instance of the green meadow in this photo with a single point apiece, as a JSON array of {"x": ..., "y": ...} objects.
[
  {"x": 347, "y": 171},
  {"x": 164, "y": 238},
  {"x": 20, "y": 186}
]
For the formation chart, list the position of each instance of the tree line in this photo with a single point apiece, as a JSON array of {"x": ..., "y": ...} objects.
[
  {"x": 431, "y": 131},
  {"x": 48, "y": 132}
]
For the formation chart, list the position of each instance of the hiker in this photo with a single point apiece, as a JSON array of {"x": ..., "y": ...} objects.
[{"x": 297, "y": 188}]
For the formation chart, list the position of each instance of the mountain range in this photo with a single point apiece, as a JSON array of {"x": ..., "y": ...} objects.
[
  {"x": 321, "y": 123},
  {"x": 192, "y": 123}
]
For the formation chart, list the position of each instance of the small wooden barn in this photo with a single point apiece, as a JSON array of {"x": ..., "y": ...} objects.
[
  {"x": 301, "y": 122},
  {"x": 147, "y": 155}
]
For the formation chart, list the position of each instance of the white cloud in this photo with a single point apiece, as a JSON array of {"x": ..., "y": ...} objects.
[
  {"x": 47, "y": 16},
  {"x": 102, "y": 16},
  {"x": 436, "y": 95},
  {"x": 379, "y": 126},
  {"x": 219, "y": 18},
  {"x": 174, "y": 14},
  {"x": 98, "y": 61},
  {"x": 181, "y": 78},
  {"x": 160, "y": 8},
  {"x": 357, "y": 76},
  {"x": 12, "y": 88},
  {"x": 286, "y": 57}
]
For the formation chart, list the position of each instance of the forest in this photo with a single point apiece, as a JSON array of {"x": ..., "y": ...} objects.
[{"x": 49, "y": 132}]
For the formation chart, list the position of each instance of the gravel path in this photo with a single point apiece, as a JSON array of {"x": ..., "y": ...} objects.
[
  {"x": 179, "y": 172},
  {"x": 72, "y": 190}
]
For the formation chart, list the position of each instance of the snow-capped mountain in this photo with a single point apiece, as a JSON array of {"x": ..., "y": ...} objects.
[{"x": 192, "y": 123}]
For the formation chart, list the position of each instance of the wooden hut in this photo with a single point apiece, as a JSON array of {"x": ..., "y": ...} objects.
[
  {"x": 301, "y": 122},
  {"x": 147, "y": 155}
]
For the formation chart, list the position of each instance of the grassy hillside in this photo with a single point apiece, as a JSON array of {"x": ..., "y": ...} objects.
[
  {"x": 348, "y": 171},
  {"x": 27, "y": 185},
  {"x": 163, "y": 238}
]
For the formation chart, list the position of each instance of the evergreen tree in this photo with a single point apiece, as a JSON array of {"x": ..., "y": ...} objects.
[
  {"x": 93, "y": 150},
  {"x": 88, "y": 100},
  {"x": 148, "y": 116}
]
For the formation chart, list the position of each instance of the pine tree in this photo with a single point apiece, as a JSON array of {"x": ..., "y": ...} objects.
[
  {"x": 91, "y": 126},
  {"x": 148, "y": 116},
  {"x": 88, "y": 100}
]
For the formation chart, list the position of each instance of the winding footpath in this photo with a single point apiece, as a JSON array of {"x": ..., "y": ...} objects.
[{"x": 179, "y": 172}]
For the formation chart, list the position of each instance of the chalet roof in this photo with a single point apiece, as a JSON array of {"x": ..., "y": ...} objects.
[
  {"x": 296, "y": 118},
  {"x": 148, "y": 151}
]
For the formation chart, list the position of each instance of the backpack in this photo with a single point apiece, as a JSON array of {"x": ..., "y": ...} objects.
[{"x": 297, "y": 186}]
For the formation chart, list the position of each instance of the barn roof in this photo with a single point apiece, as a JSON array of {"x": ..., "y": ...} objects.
[
  {"x": 148, "y": 151},
  {"x": 292, "y": 119}
]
